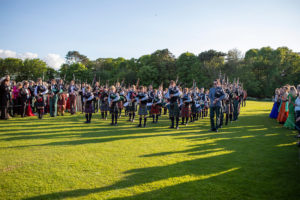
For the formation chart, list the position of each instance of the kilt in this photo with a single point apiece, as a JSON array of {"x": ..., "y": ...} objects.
[
  {"x": 40, "y": 103},
  {"x": 120, "y": 105},
  {"x": 89, "y": 108},
  {"x": 114, "y": 109},
  {"x": 174, "y": 110},
  {"x": 104, "y": 106},
  {"x": 132, "y": 106},
  {"x": 185, "y": 110},
  {"x": 202, "y": 106},
  {"x": 155, "y": 109},
  {"x": 143, "y": 109},
  {"x": 194, "y": 108}
]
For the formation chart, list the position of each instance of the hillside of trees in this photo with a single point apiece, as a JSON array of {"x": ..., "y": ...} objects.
[{"x": 260, "y": 70}]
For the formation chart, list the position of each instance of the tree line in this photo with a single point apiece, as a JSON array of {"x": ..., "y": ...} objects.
[{"x": 259, "y": 70}]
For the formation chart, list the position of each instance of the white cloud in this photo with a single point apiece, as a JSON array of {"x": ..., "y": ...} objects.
[
  {"x": 7, "y": 54},
  {"x": 13, "y": 54},
  {"x": 54, "y": 60},
  {"x": 28, "y": 55}
]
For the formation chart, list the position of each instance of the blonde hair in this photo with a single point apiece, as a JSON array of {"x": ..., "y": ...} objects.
[{"x": 112, "y": 87}]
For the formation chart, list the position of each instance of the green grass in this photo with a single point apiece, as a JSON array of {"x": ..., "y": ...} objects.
[{"x": 63, "y": 158}]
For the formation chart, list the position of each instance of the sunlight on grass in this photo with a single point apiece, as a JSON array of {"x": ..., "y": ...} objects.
[
  {"x": 288, "y": 144},
  {"x": 63, "y": 158},
  {"x": 156, "y": 185}
]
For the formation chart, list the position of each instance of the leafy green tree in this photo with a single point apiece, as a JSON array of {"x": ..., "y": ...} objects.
[
  {"x": 32, "y": 69},
  {"x": 11, "y": 66},
  {"x": 148, "y": 75}
]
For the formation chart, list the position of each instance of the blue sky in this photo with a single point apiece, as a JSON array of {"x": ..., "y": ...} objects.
[{"x": 131, "y": 28}]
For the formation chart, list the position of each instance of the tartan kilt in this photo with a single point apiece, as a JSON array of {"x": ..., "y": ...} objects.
[
  {"x": 185, "y": 111},
  {"x": 174, "y": 110},
  {"x": 104, "y": 106},
  {"x": 155, "y": 109},
  {"x": 143, "y": 109},
  {"x": 89, "y": 108},
  {"x": 132, "y": 106},
  {"x": 114, "y": 109},
  {"x": 120, "y": 105}
]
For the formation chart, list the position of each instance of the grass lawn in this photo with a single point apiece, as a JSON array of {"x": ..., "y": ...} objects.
[{"x": 63, "y": 158}]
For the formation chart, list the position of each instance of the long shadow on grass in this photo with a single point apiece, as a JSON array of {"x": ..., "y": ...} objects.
[
  {"x": 233, "y": 161},
  {"x": 151, "y": 175},
  {"x": 102, "y": 133}
]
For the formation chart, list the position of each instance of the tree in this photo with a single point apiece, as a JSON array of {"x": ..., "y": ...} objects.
[
  {"x": 32, "y": 69},
  {"x": 148, "y": 75},
  {"x": 11, "y": 66},
  {"x": 184, "y": 66},
  {"x": 76, "y": 57}
]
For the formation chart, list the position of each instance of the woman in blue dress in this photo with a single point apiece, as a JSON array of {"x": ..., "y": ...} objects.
[{"x": 274, "y": 112}]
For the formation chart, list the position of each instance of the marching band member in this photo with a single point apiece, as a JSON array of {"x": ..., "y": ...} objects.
[
  {"x": 72, "y": 90},
  {"x": 173, "y": 95},
  {"x": 216, "y": 95},
  {"x": 88, "y": 100},
  {"x": 142, "y": 99},
  {"x": 104, "y": 103},
  {"x": 156, "y": 106},
  {"x": 185, "y": 102},
  {"x": 113, "y": 99},
  {"x": 54, "y": 90},
  {"x": 39, "y": 92},
  {"x": 96, "y": 91},
  {"x": 131, "y": 99}
]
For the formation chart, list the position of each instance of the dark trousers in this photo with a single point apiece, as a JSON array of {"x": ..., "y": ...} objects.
[
  {"x": 16, "y": 106},
  {"x": 298, "y": 121},
  {"x": 215, "y": 110},
  {"x": 96, "y": 105},
  {"x": 221, "y": 116},
  {"x": 235, "y": 110},
  {"x": 4, "y": 109},
  {"x": 53, "y": 106}
]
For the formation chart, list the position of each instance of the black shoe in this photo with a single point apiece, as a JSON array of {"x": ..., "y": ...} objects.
[
  {"x": 115, "y": 124},
  {"x": 112, "y": 124},
  {"x": 171, "y": 127},
  {"x": 86, "y": 122},
  {"x": 140, "y": 125},
  {"x": 145, "y": 126}
]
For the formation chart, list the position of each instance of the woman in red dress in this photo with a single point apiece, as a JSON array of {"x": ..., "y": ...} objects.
[{"x": 283, "y": 111}]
